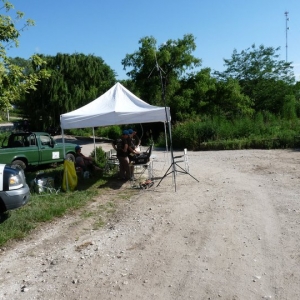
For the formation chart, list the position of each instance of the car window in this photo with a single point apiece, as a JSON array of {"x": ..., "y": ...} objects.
[
  {"x": 32, "y": 140},
  {"x": 45, "y": 140},
  {"x": 18, "y": 141}
]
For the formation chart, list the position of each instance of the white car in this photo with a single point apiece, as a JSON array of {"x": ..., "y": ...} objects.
[{"x": 14, "y": 191}]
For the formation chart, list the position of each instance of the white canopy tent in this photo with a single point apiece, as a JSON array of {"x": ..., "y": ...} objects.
[{"x": 115, "y": 107}]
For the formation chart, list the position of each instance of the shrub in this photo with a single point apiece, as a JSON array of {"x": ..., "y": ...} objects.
[
  {"x": 100, "y": 157},
  {"x": 86, "y": 132},
  {"x": 110, "y": 132}
]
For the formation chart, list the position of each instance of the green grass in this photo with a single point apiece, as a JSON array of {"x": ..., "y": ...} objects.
[
  {"x": 41, "y": 208},
  {"x": 45, "y": 207}
]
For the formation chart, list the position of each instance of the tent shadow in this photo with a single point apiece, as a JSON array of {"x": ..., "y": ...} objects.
[{"x": 113, "y": 184}]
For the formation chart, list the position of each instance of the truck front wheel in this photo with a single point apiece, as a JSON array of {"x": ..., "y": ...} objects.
[{"x": 19, "y": 163}]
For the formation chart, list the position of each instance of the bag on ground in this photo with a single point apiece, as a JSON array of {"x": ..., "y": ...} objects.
[{"x": 70, "y": 179}]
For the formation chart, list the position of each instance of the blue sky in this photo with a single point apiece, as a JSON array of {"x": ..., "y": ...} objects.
[{"x": 111, "y": 29}]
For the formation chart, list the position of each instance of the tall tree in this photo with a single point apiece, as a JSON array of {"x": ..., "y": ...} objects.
[
  {"x": 155, "y": 70},
  {"x": 14, "y": 80},
  {"x": 76, "y": 79},
  {"x": 262, "y": 76}
]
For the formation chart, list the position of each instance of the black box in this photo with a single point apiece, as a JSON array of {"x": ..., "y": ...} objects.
[{"x": 141, "y": 159}]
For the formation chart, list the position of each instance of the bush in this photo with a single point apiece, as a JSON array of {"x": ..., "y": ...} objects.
[
  {"x": 100, "y": 157},
  {"x": 86, "y": 132},
  {"x": 109, "y": 132}
]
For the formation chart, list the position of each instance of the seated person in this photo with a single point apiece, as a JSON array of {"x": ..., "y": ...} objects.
[
  {"x": 132, "y": 149},
  {"x": 86, "y": 163},
  {"x": 121, "y": 146}
]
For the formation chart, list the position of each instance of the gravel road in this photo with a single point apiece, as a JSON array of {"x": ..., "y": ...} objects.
[{"x": 235, "y": 234}]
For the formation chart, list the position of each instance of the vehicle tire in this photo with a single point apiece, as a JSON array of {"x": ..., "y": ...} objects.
[
  {"x": 2, "y": 208},
  {"x": 70, "y": 157},
  {"x": 19, "y": 163}
]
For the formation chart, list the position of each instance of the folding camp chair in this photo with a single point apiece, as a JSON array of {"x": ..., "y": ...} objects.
[
  {"x": 143, "y": 162},
  {"x": 112, "y": 162}
]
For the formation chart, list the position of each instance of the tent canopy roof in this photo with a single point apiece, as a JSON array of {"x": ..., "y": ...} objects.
[{"x": 115, "y": 107}]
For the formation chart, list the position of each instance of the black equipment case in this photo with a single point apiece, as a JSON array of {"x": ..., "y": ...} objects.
[{"x": 142, "y": 158}]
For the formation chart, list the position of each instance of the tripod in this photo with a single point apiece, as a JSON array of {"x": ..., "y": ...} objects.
[
  {"x": 173, "y": 166},
  {"x": 173, "y": 162}
]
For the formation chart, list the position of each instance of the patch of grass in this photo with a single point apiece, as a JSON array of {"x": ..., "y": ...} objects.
[
  {"x": 126, "y": 194},
  {"x": 40, "y": 209},
  {"x": 98, "y": 223},
  {"x": 87, "y": 214},
  {"x": 45, "y": 207}
]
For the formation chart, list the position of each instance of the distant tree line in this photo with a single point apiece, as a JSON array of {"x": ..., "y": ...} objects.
[{"x": 253, "y": 81}]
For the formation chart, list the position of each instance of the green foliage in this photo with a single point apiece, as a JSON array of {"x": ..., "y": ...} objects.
[
  {"x": 3, "y": 135},
  {"x": 289, "y": 107},
  {"x": 254, "y": 64},
  {"x": 230, "y": 100},
  {"x": 262, "y": 77},
  {"x": 192, "y": 133},
  {"x": 85, "y": 132},
  {"x": 100, "y": 157},
  {"x": 262, "y": 131},
  {"x": 14, "y": 80},
  {"x": 152, "y": 67},
  {"x": 76, "y": 79},
  {"x": 109, "y": 132}
]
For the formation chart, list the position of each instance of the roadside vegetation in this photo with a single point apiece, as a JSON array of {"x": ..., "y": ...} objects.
[{"x": 262, "y": 131}]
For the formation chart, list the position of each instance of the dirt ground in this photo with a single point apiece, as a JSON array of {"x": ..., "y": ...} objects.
[{"x": 235, "y": 234}]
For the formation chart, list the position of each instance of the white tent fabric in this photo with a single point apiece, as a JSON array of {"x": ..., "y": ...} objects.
[{"x": 115, "y": 107}]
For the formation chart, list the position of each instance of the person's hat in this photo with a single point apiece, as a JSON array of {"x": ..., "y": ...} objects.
[
  {"x": 77, "y": 148},
  {"x": 130, "y": 131},
  {"x": 125, "y": 132}
]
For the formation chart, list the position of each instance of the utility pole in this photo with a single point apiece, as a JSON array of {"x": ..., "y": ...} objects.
[{"x": 286, "y": 34}]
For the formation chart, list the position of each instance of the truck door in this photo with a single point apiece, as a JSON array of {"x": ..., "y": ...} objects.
[
  {"x": 32, "y": 152},
  {"x": 48, "y": 153}
]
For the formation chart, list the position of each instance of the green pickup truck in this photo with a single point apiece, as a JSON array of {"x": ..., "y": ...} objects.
[{"x": 29, "y": 149}]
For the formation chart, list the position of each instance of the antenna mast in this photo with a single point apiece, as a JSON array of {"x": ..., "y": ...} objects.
[{"x": 286, "y": 34}]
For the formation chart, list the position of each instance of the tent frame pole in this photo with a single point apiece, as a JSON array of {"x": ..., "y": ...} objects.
[{"x": 64, "y": 151}]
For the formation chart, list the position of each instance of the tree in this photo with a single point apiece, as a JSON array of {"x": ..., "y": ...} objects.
[
  {"x": 170, "y": 62},
  {"x": 75, "y": 80},
  {"x": 201, "y": 94},
  {"x": 262, "y": 77},
  {"x": 254, "y": 64},
  {"x": 14, "y": 80},
  {"x": 195, "y": 95},
  {"x": 230, "y": 101}
]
